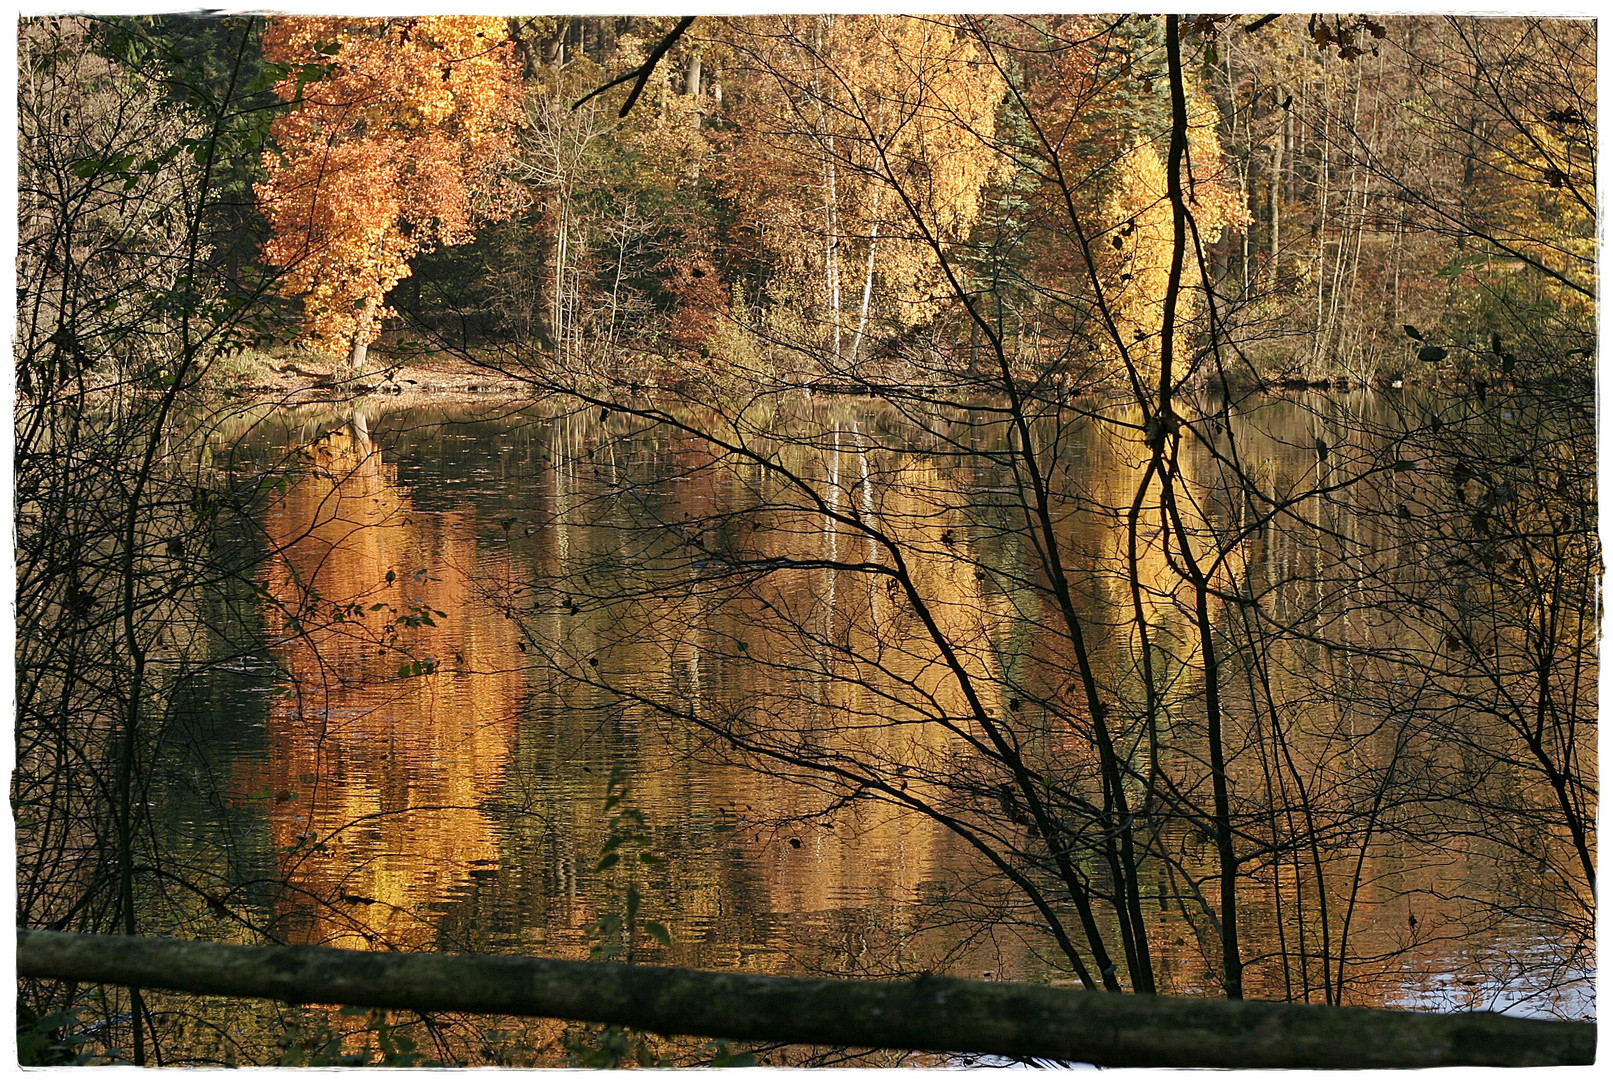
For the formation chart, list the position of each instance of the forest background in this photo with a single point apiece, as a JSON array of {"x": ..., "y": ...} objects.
[{"x": 1345, "y": 184}]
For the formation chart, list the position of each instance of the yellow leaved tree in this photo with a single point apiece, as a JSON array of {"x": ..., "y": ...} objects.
[
  {"x": 1134, "y": 261},
  {"x": 864, "y": 145}
]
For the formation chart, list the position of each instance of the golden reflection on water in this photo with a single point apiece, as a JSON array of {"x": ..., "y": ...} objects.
[
  {"x": 677, "y": 644},
  {"x": 380, "y": 779},
  {"x": 390, "y": 793},
  {"x": 384, "y": 784}
]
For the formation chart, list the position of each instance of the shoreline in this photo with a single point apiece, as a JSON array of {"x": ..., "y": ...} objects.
[
  {"x": 443, "y": 380},
  {"x": 447, "y": 379}
]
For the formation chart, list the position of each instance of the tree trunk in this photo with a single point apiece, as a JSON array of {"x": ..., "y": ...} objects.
[
  {"x": 362, "y": 336},
  {"x": 928, "y": 1013},
  {"x": 832, "y": 243},
  {"x": 868, "y": 289},
  {"x": 1276, "y": 191},
  {"x": 691, "y": 77}
]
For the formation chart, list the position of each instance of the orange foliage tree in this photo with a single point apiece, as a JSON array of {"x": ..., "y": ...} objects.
[{"x": 395, "y": 145}]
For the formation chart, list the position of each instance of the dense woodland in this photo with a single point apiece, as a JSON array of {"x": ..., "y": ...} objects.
[
  {"x": 960, "y": 338},
  {"x": 786, "y": 186}
]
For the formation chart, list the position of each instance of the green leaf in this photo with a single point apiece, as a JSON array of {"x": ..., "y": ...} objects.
[
  {"x": 1431, "y": 354},
  {"x": 1412, "y": 332},
  {"x": 57, "y": 1020},
  {"x": 383, "y": 1039},
  {"x": 658, "y": 932},
  {"x": 607, "y": 862},
  {"x": 724, "y": 1057},
  {"x": 1405, "y": 466}
]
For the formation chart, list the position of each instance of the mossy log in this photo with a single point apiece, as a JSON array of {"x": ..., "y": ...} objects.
[{"x": 927, "y": 1013}]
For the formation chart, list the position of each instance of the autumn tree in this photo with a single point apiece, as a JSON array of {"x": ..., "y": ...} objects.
[
  {"x": 1136, "y": 220},
  {"x": 1512, "y": 134},
  {"x": 620, "y": 213},
  {"x": 1092, "y": 146},
  {"x": 864, "y": 142},
  {"x": 395, "y": 144}
]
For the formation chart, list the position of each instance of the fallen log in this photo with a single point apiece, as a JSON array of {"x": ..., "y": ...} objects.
[{"x": 927, "y": 1013}]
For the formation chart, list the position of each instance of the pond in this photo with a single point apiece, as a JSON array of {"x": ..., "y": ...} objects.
[{"x": 570, "y": 683}]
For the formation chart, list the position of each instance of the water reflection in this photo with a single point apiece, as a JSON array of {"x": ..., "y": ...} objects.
[
  {"x": 566, "y": 596},
  {"x": 405, "y": 704}
]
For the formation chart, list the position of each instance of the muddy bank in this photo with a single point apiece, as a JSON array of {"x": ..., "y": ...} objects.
[
  {"x": 447, "y": 379},
  {"x": 437, "y": 380}
]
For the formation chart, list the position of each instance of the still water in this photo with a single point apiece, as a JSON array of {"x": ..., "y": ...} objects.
[{"x": 481, "y": 627}]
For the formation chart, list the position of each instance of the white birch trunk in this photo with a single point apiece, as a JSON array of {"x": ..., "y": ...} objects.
[{"x": 868, "y": 289}]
